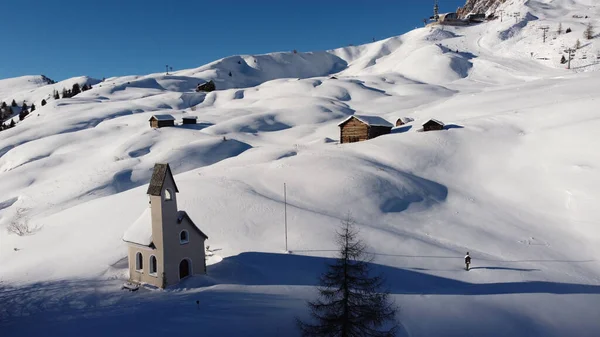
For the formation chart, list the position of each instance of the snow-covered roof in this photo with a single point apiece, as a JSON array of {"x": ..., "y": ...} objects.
[
  {"x": 141, "y": 230},
  {"x": 369, "y": 120},
  {"x": 406, "y": 119},
  {"x": 435, "y": 121},
  {"x": 163, "y": 117},
  {"x": 182, "y": 215}
]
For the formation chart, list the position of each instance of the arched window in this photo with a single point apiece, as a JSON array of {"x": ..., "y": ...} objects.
[
  {"x": 168, "y": 195},
  {"x": 184, "y": 237},
  {"x": 152, "y": 270},
  {"x": 139, "y": 261}
]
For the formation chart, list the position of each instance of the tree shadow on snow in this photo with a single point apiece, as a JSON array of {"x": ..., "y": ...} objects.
[
  {"x": 99, "y": 308},
  {"x": 256, "y": 268}
]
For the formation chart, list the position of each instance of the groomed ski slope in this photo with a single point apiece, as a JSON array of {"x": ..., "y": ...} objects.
[{"x": 513, "y": 179}]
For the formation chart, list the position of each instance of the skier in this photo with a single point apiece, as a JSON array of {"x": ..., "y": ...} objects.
[{"x": 467, "y": 260}]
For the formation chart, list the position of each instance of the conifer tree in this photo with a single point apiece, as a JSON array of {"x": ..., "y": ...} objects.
[
  {"x": 12, "y": 123},
  {"x": 351, "y": 302},
  {"x": 3, "y": 106},
  {"x": 577, "y": 44},
  {"x": 75, "y": 90},
  {"x": 13, "y": 104},
  {"x": 589, "y": 32},
  {"x": 43, "y": 102},
  {"x": 32, "y": 109},
  {"x": 24, "y": 107}
]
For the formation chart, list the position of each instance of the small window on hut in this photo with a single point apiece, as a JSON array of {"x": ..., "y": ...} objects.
[
  {"x": 139, "y": 262},
  {"x": 168, "y": 195},
  {"x": 184, "y": 237}
]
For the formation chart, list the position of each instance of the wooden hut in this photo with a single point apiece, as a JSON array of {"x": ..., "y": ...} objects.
[
  {"x": 358, "y": 128},
  {"x": 403, "y": 120},
  {"x": 433, "y": 125},
  {"x": 160, "y": 121},
  {"x": 206, "y": 87},
  {"x": 190, "y": 120}
]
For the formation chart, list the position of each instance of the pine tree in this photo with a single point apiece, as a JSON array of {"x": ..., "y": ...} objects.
[
  {"x": 24, "y": 107},
  {"x": 577, "y": 44},
  {"x": 32, "y": 109},
  {"x": 563, "y": 60},
  {"x": 560, "y": 29},
  {"x": 568, "y": 30},
  {"x": 43, "y": 102},
  {"x": 75, "y": 90},
  {"x": 351, "y": 303},
  {"x": 3, "y": 106},
  {"x": 589, "y": 32},
  {"x": 12, "y": 123},
  {"x": 13, "y": 104},
  {"x": 65, "y": 94},
  {"x": 56, "y": 95},
  {"x": 23, "y": 114}
]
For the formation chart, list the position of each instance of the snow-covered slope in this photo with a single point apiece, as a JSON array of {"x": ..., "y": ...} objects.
[{"x": 513, "y": 179}]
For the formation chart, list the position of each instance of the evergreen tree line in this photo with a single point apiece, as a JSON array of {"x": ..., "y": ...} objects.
[
  {"x": 75, "y": 90},
  {"x": 7, "y": 111}
]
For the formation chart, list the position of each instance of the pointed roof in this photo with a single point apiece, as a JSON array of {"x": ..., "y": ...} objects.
[
  {"x": 158, "y": 179},
  {"x": 369, "y": 120},
  {"x": 434, "y": 121},
  {"x": 182, "y": 215},
  {"x": 141, "y": 230},
  {"x": 162, "y": 118}
]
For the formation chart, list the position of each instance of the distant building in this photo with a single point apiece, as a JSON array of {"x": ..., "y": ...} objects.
[
  {"x": 433, "y": 125},
  {"x": 190, "y": 120},
  {"x": 160, "y": 121},
  {"x": 165, "y": 246},
  {"x": 403, "y": 120},
  {"x": 358, "y": 128},
  {"x": 206, "y": 87},
  {"x": 451, "y": 19}
]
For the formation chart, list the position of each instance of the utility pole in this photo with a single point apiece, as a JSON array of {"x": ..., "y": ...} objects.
[
  {"x": 436, "y": 10},
  {"x": 167, "y": 67},
  {"x": 570, "y": 51},
  {"x": 544, "y": 30},
  {"x": 517, "y": 15},
  {"x": 501, "y": 15},
  {"x": 285, "y": 215}
]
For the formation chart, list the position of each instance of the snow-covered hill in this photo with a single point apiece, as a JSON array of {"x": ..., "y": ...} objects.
[{"x": 514, "y": 179}]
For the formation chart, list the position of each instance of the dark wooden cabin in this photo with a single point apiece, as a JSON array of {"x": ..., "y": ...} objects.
[
  {"x": 206, "y": 87},
  {"x": 190, "y": 120},
  {"x": 403, "y": 120},
  {"x": 160, "y": 121},
  {"x": 358, "y": 128},
  {"x": 433, "y": 125}
]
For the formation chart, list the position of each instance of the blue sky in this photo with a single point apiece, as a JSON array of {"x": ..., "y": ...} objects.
[{"x": 66, "y": 38}]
